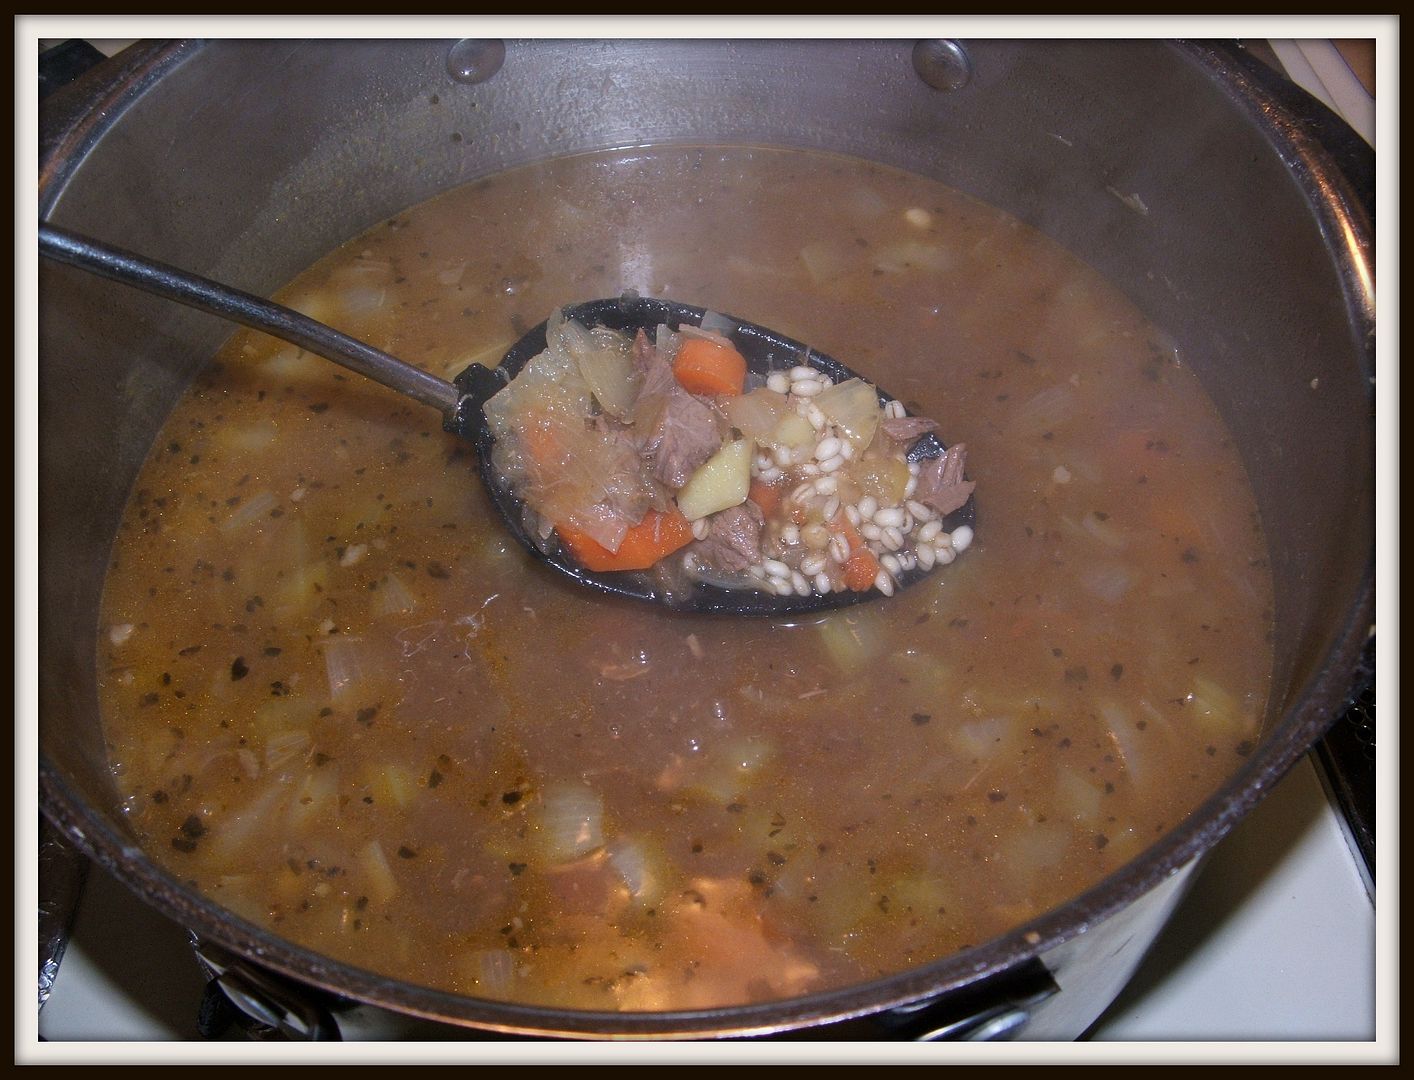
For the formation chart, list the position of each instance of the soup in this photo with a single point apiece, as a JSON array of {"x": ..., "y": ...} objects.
[{"x": 342, "y": 704}]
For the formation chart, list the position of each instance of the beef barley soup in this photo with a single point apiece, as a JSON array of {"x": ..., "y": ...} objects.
[{"x": 345, "y": 706}]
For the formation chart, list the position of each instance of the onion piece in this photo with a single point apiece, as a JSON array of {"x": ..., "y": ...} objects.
[
  {"x": 1108, "y": 581},
  {"x": 570, "y": 822},
  {"x": 1045, "y": 411},
  {"x": 865, "y": 204},
  {"x": 231, "y": 834},
  {"x": 316, "y": 801},
  {"x": 347, "y": 661},
  {"x": 687, "y": 330},
  {"x": 393, "y": 597},
  {"x": 390, "y": 784},
  {"x": 1105, "y": 531},
  {"x": 1128, "y": 742},
  {"x": 731, "y": 768},
  {"x": 379, "y": 880},
  {"x": 825, "y": 260},
  {"x": 604, "y": 362},
  {"x": 905, "y": 255},
  {"x": 363, "y": 299},
  {"x": 292, "y": 364},
  {"x": 1077, "y": 798},
  {"x": 714, "y": 322},
  {"x": 983, "y": 738},
  {"x": 793, "y": 432},
  {"x": 283, "y": 745},
  {"x": 853, "y": 407},
  {"x": 1034, "y": 849},
  {"x": 852, "y": 639},
  {"x": 638, "y": 869},
  {"x": 1217, "y": 710},
  {"x": 492, "y": 971},
  {"x": 666, "y": 341},
  {"x": 757, "y": 415},
  {"x": 256, "y": 508}
]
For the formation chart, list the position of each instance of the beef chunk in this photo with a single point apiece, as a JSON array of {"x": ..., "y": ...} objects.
[
  {"x": 677, "y": 431},
  {"x": 904, "y": 429},
  {"x": 940, "y": 482},
  {"x": 734, "y": 542},
  {"x": 648, "y": 362}
]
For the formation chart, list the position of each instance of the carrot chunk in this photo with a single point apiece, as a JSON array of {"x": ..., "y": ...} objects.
[
  {"x": 862, "y": 567},
  {"x": 705, "y": 367},
  {"x": 840, "y": 524},
  {"x": 860, "y": 570},
  {"x": 657, "y": 536},
  {"x": 766, "y": 496}
]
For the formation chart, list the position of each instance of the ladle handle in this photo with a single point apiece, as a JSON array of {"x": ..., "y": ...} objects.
[{"x": 248, "y": 310}]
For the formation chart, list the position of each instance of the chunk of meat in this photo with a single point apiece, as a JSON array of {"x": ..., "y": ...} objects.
[
  {"x": 734, "y": 542},
  {"x": 904, "y": 429},
  {"x": 940, "y": 482},
  {"x": 677, "y": 431},
  {"x": 657, "y": 373}
]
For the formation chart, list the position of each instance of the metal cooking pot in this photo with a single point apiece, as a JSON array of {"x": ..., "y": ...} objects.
[{"x": 1175, "y": 169}]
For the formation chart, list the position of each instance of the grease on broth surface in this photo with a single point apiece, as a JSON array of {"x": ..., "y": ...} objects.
[{"x": 347, "y": 708}]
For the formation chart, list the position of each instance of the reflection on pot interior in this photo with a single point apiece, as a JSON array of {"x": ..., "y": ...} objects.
[{"x": 342, "y": 704}]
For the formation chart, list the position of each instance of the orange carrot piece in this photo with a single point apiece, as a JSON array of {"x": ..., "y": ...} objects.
[
  {"x": 655, "y": 537},
  {"x": 705, "y": 367},
  {"x": 766, "y": 496},
  {"x": 860, "y": 570},
  {"x": 841, "y": 525},
  {"x": 541, "y": 444}
]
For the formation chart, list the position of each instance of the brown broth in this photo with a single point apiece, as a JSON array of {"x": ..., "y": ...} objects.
[{"x": 342, "y": 703}]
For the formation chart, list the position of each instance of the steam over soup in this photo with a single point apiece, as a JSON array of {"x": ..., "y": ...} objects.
[{"x": 347, "y": 708}]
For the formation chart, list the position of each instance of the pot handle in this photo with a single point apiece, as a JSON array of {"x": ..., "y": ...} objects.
[
  {"x": 64, "y": 63},
  {"x": 271, "y": 1002},
  {"x": 993, "y": 1009},
  {"x": 1351, "y": 155}
]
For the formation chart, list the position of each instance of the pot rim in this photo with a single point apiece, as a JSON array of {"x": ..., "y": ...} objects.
[{"x": 1344, "y": 217}]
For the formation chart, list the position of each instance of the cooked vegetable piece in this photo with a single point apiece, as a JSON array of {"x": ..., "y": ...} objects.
[
  {"x": 793, "y": 431},
  {"x": 853, "y": 407},
  {"x": 766, "y": 496},
  {"x": 657, "y": 536},
  {"x": 757, "y": 414},
  {"x": 860, "y": 570},
  {"x": 569, "y": 822},
  {"x": 854, "y": 640},
  {"x": 705, "y": 367},
  {"x": 722, "y": 482},
  {"x": 883, "y": 477},
  {"x": 606, "y": 365}
]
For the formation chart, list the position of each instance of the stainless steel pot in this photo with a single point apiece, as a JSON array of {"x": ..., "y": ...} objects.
[{"x": 1178, "y": 170}]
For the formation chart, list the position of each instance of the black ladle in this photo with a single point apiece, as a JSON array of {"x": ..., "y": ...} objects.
[{"x": 460, "y": 402}]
